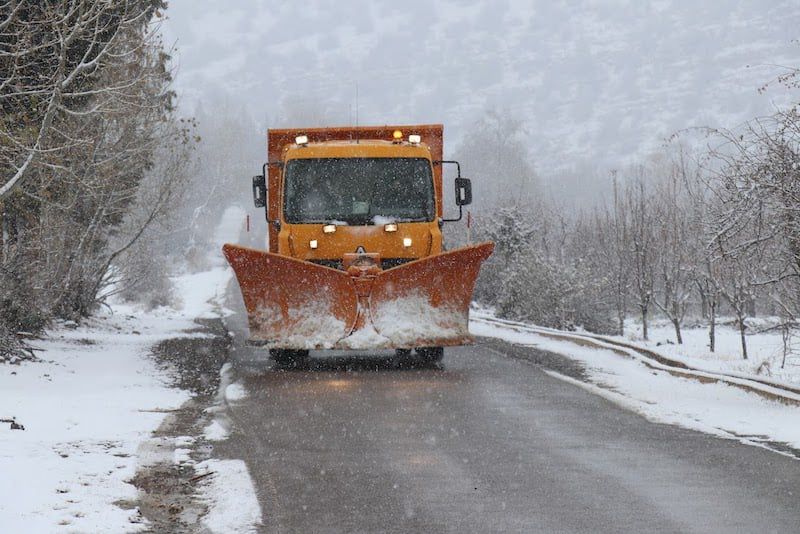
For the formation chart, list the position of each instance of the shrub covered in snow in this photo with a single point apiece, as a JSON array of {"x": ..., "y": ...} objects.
[
  {"x": 12, "y": 348},
  {"x": 526, "y": 280}
]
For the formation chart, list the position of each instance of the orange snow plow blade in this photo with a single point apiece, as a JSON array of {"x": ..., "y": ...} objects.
[
  {"x": 425, "y": 303},
  {"x": 294, "y": 304}
]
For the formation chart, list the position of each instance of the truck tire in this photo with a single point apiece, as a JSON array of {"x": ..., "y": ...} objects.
[
  {"x": 431, "y": 354},
  {"x": 289, "y": 358}
]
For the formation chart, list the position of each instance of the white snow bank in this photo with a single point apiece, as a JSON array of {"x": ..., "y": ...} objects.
[
  {"x": 182, "y": 456},
  {"x": 765, "y": 350},
  {"x": 715, "y": 407},
  {"x": 407, "y": 322},
  {"x": 86, "y": 408},
  {"x": 85, "y": 411},
  {"x": 364, "y": 338},
  {"x": 403, "y": 322},
  {"x": 231, "y": 497},
  {"x": 202, "y": 294},
  {"x": 215, "y": 431},
  {"x": 235, "y": 392}
]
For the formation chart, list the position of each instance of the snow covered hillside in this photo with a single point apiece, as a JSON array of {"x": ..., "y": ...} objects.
[{"x": 593, "y": 81}]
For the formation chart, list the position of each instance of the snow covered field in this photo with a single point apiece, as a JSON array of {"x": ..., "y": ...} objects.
[
  {"x": 714, "y": 407},
  {"x": 765, "y": 349},
  {"x": 85, "y": 409},
  {"x": 89, "y": 404}
]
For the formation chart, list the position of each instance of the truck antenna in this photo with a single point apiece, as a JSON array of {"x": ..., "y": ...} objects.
[{"x": 357, "y": 132}]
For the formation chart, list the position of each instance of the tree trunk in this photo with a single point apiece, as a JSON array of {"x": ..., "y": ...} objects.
[
  {"x": 677, "y": 324},
  {"x": 644, "y": 323},
  {"x": 740, "y": 320},
  {"x": 3, "y": 235},
  {"x": 785, "y": 337},
  {"x": 621, "y": 307},
  {"x": 712, "y": 325}
]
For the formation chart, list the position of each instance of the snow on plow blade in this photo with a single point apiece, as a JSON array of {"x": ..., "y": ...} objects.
[
  {"x": 294, "y": 304},
  {"x": 426, "y": 302}
]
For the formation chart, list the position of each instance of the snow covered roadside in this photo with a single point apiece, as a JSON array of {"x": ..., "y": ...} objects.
[
  {"x": 231, "y": 495},
  {"x": 715, "y": 408},
  {"x": 88, "y": 406},
  {"x": 765, "y": 349},
  {"x": 85, "y": 409},
  {"x": 229, "y": 492}
]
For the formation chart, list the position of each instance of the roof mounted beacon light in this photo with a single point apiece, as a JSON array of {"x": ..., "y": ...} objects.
[{"x": 301, "y": 140}]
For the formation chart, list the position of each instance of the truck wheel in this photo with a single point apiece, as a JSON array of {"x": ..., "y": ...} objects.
[
  {"x": 289, "y": 358},
  {"x": 431, "y": 354},
  {"x": 402, "y": 353}
]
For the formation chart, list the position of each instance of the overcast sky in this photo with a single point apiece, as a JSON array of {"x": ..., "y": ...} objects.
[{"x": 603, "y": 81}]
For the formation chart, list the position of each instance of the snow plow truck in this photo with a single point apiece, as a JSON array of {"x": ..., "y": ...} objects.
[{"x": 355, "y": 257}]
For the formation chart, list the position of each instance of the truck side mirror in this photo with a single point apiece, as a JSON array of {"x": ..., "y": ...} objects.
[
  {"x": 463, "y": 191},
  {"x": 259, "y": 191}
]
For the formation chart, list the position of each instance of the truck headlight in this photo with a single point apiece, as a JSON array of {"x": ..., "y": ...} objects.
[{"x": 406, "y": 242}]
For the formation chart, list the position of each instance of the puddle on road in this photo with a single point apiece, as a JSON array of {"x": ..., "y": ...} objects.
[{"x": 194, "y": 363}]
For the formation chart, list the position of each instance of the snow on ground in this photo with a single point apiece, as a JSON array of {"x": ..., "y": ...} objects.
[
  {"x": 85, "y": 410},
  {"x": 715, "y": 408},
  {"x": 765, "y": 349},
  {"x": 228, "y": 489},
  {"x": 231, "y": 496},
  {"x": 90, "y": 403},
  {"x": 215, "y": 431},
  {"x": 235, "y": 392}
]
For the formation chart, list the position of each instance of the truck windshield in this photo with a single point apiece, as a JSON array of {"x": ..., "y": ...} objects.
[{"x": 358, "y": 190}]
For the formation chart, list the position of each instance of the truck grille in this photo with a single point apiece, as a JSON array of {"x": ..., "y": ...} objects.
[{"x": 386, "y": 263}]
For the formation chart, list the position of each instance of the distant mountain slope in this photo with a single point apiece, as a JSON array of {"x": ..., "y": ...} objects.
[{"x": 595, "y": 81}]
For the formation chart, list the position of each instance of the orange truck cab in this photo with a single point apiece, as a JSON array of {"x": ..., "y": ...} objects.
[{"x": 390, "y": 204}]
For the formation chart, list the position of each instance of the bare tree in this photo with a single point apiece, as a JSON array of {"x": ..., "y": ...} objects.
[
  {"x": 618, "y": 246},
  {"x": 643, "y": 251},
  {"x": 675, "y": 242},
  {"x": 52, "y": 55},
  {"x": 86, "y": 105},
  {"x": 756, "y": 236}
]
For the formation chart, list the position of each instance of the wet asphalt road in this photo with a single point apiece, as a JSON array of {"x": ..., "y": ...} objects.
[{"x": 485, "y": 442}]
